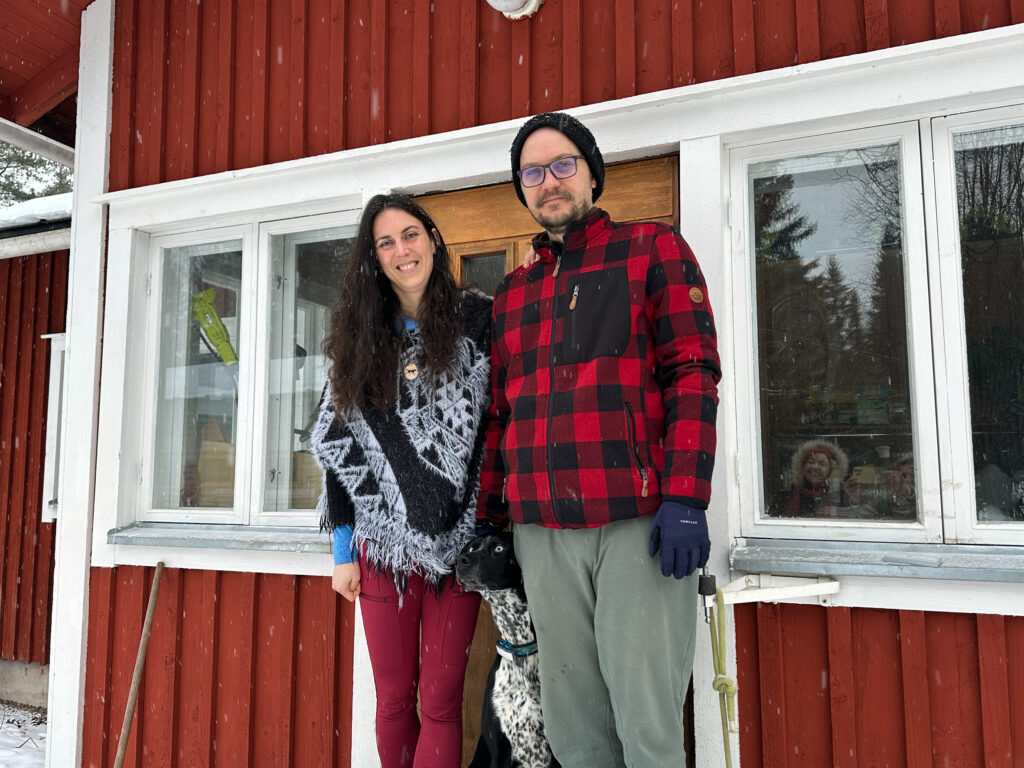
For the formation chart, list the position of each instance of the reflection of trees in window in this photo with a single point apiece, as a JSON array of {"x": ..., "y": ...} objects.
[
  {"x": 886, "y": 333},
  {"x": 842, "y": 308},
  {"x": 873, "y": 206},
  {"x": 793, "y": 327},
  {"x": 990, "y": 191},
  {"x": 875, "y": 198},
  {"x": 780, "y": 228},
  {"x": 831, "y": 325},
  {"x": 990, "y": 202}
]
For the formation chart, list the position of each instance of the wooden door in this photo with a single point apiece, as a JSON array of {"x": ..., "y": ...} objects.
[{"x": 488, "y": 233}]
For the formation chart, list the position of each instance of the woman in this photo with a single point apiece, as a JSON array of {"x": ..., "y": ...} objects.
[
  {"x": 399, "y": 438},
  {"x": 818, "y": 468}
]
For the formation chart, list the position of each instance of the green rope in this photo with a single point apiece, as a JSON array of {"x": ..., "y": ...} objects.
[{"x": 725, "y": 686}]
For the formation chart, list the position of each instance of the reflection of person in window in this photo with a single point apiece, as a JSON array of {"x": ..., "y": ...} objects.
[
  {"x": 399, "y": 436},
  {"x": 895, "y": 497},
  {"x": 900, "y": 491},
  {"x": 818, "y": 468}
]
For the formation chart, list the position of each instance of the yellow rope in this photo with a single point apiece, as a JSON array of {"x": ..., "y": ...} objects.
[{"x": 725, "y": 686}]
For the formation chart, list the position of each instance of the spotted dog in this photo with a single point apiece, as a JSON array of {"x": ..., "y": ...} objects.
[{"x": 511, "y": 725}]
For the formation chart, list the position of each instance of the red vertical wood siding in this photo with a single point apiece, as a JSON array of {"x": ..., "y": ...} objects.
[
  {"x": 33, "y": 293},
  {"x": 252, "y": 669},
  {"x": 222, "y": 85},
  {"x": 853, "y": 687},
  {"x": 242, "y": 669}
]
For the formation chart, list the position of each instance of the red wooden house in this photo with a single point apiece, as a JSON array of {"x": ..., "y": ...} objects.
[
  {"x": 849, "y": 173},
  {"x": 33, "y": 293},
  {"x": 38, "y": 72}
]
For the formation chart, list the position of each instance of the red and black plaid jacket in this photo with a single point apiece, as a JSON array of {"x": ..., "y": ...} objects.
[{"x": 604, "y": 374}]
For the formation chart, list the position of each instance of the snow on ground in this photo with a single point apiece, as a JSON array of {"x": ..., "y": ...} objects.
[{"x": 22, "y": 736}]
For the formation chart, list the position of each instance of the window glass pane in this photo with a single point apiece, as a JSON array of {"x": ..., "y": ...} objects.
[
  {"x": 990, "y": 201},
  {"x": 484, "y": 271},
  {"x": 834, "y": 382},
  {"x": 197, "y": 391},
  {"x": 305, "y": 272}
]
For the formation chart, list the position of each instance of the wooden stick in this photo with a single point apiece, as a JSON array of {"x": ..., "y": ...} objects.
[{"x": 140, "y": 663}]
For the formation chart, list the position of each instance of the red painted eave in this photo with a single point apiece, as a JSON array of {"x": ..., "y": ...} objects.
[{"x": 39, "y": 42}]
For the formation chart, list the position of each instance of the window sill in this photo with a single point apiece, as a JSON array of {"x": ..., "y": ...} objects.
[
  {"x": 912, "y": 561},
  {"x": 244, "y": 537}
]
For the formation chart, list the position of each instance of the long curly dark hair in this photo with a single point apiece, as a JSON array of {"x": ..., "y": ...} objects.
[{"x": 363, "y": 337}]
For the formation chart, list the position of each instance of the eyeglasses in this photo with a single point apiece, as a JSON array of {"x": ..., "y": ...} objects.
[{"x": 562, "y": 168}]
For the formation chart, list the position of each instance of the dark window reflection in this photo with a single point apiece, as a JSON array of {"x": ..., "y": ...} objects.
[
  {"x": 484, "y": 271},
  {"x": 990, "y": 201},
  {"x": 836, "y": 425}
]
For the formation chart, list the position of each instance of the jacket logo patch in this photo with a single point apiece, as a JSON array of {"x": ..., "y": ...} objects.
[{"x": 696, "y": 295}]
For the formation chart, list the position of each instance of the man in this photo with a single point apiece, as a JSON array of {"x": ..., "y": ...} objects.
[{"x": 600, "y": 445}]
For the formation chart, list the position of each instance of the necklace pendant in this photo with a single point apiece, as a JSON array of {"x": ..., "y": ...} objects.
[{"x": 411, "y": 371}]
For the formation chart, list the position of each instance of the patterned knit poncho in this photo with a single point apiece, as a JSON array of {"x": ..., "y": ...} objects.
[{"x": 407, "y": 479}]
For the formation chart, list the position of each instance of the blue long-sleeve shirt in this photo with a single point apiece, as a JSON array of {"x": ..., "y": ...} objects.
[{"x": 342, "y": 545}]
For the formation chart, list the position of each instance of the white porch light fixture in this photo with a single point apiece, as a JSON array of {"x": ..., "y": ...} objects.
[{"x": 516, "y": 9}]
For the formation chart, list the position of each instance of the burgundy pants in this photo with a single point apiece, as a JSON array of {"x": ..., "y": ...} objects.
[{"x": 425, "y": 647}]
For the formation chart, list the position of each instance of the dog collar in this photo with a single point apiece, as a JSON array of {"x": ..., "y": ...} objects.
[{"x": 508, "y": 651}]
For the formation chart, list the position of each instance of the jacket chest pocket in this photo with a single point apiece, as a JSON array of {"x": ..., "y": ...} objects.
[{"x": 596, "y": 316}]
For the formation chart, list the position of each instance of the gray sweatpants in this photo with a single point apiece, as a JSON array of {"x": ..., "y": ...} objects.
[{"x": 615, "y": 640}]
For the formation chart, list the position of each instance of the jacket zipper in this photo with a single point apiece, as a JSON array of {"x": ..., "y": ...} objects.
[
  {"x": 551, "y": 398},
  {"x": 636, "y": 449}
]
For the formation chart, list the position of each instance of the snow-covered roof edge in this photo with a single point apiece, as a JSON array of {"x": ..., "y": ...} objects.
[{"x": 37, "y": 210}]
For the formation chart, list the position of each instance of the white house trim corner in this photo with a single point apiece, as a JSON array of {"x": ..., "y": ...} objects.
[{"x": 85, "y": 291}]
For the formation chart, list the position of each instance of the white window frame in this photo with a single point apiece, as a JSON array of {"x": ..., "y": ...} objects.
[
  {"x": 951, "y": 335},
  {"x": 263, "y": 354},
  {"x": 753, "y": 524},
  {"x": 138, "y": 521},
  {"x": 247, "y": 300}
]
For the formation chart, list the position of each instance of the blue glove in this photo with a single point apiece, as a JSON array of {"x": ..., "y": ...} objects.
[{"x": 681, "y": 531}]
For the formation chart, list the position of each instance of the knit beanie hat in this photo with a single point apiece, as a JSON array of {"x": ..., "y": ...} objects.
[{"x": 575, "y": 131}]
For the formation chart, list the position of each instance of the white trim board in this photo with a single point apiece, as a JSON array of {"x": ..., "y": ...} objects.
[
  {"x": 82, "y": 366},
  {"x": 27, "y": 139},
  {"x": 38, "y": 242}
]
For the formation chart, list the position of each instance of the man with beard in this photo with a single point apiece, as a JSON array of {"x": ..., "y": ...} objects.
[{"x": 600, "y": 448}]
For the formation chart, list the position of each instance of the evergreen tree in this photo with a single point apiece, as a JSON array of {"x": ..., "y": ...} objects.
[
  {"x": 842, "y": 308},
  {"x": 25, "y": 175},
  {"x": 780, "y": 226},
  {"x": 886, "y": 334}
]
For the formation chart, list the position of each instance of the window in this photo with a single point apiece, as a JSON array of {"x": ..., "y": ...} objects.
[
  {"x": 483, "y": 265},
  {"x": 305, "y": 270},
  {"x": 848, "y": 297},
  {"x": 484, "y": 271},
  {"x": 239, "y": 316},
  {"x": 990, "y": 207},
  {"x": 980, "y": 183},
  {"x": 836, "y": 421},
  {"x": 54, "y": 419},
  {"x": 197, "y": 426}
]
